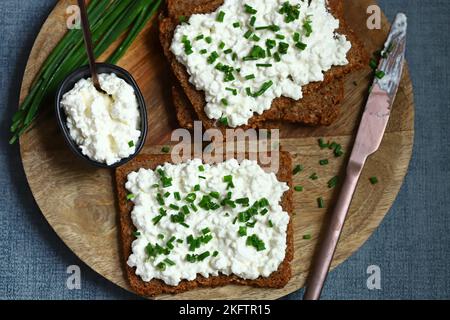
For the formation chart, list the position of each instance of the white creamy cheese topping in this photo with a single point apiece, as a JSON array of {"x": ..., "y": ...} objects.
[
  {"x": 314, "y": 47},
  {"x": 226, "y": 252},
  {"x": 105, "y": 126}
]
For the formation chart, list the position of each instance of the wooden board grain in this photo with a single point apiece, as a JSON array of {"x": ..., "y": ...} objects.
[{"x": 78, "y": 200}]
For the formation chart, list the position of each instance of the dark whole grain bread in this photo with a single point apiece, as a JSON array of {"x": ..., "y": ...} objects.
[
  {"x": 278, "y": 279},
  {"x": 321, "y": 101}
]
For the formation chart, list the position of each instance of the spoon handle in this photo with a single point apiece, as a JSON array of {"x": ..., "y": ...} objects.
[{"x": 88, "y": 42}]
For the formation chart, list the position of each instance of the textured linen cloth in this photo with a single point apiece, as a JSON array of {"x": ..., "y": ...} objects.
[{"x": 411, "y": 247}]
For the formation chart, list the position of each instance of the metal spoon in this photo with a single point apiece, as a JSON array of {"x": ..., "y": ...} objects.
[{"x": 89, "y": 46}]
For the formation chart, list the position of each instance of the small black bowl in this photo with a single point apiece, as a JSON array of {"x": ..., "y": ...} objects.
[{"x": 84, "y": 73}]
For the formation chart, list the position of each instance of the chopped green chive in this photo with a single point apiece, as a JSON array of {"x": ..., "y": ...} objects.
[
  {"x": 197, "y": 187},
  {"x": 273, "y": 28},
  {"x": 298, "y": 188},
  {"x": 212, "y": 57},
  {"x": 291, "y": 12},
  {"x": 252, "y": 21},
  {"x": 182, "y": 19},
  {"x": 298, "y": 168},
  {"x": 248, "y": 34},
  {"x": 280, "y": 36},
  {"x": 177, "y": 195},
  {"x": 202, "y": 177},
  {"x": 208, "y": 40},
  {"x": 277, "y": 57},
  {"x": 322, "y": 144},
  {"x": 320, "y": 203},
  {"x": 161, "y": 266},
  {"x": 203, "y": 51},
  {"x": 242, "y": 231},
  {"x": 215, "y": 253},
  {"x": 373, "y": 180},
  {"x": 136, "y": 234},
  {"x": 314, "y": 176},
  {"x": 224, "y": 102},
  {"x": 236, "y": 24},
  {"x": 199, "y": 37},
  {"x": 165, "y": 149},
  {"x": 160, "y": 236},
  {"x": 130, "y": 196},
  {"x": 296, "y": 37},
  {"x": 333, "y": 182},
  {"x": 131, "y": 144},
  {"x": 256, "y": 242},
  {"x": 270, "y": 223},
  {"x": 206, "y": 230},
  {"x": 221, "y": 45},
  {"x": 373, "y": 64},
  {"x": 223, "y": 121},
  {"x": 264, "y": 65},
  {"x": 306, "y": 237},
  {"x": 174, "y": 207},
  {"x": 323, "y": 162},
  {"x": 220, "y": 16},
  {"x": 379, "y": 74},
  {"x": 249, "y": 9},
  {"x": 283, "y": 47},
  {"x": 169, "y": 262},
  {"x": 255, "y": 38},
  {"x": 300, "y": 45},
  {"x": 167, "y": 194},
  {"x": 307, "y": 27},
  {"x": 203, "y": 256},
  {"x": 228, "y": 51},
  {"x": 233, "y": 91}
]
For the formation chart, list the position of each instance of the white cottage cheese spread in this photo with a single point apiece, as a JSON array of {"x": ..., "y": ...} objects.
[
  {"x": 250, "y": 52},
  {"x": 190, "y": 226},
  {"x": 105, "y": 126}
]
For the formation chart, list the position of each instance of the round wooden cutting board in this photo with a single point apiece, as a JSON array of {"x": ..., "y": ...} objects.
[{"x": 79, "y": 201}]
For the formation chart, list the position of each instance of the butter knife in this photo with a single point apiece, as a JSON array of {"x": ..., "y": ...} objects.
[{"x": 368, "y": 139}]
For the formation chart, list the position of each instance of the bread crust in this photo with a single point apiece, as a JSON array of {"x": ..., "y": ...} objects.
[
  {"x": 321, "y": 101},
  {"x": 278, "y": 279}
]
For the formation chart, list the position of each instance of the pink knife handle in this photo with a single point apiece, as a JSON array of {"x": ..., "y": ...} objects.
[{"x": 325, "y": 253}]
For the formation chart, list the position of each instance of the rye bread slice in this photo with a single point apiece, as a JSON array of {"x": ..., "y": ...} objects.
[
  {"x": 320, "y": 105},
  {"x": 278, "y": 279}
]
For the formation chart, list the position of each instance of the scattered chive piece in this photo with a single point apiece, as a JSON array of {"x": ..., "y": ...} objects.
[
  {"x": 306, "y": 237},
  {"x": 167, "y": 194},
  {"x": 130, "y": 196},
  {"x": 323, "y": 162},
  {"x": 255, "y": 38},
  {"x": 248, "y": 34},
  {"x": 373, "y": 180},
  {"x": 223, "y": 121},
  {"x": 300, "y": 45},
  {"x": 270, "y": 223},
  {"x": 203, "y": 51},
  {"x": 296, "y": 37},
  {"x": 298, "y": 168},
  {"x": 298, "y": 188},
  {"x": 228, "y": 51},
  {"x": 165, "y": 149},
  {"x": 212, "y": 57},
  {"x": 221, "y": 45},
  {"x": 320, "y": 203},
  {"x": 333, "y": 182},
  {"x": 177, "y": 195},
  {"x": 252, "y": 21},
  {"x": 242, "y": 231},
  {"x": 249, "y": 9},
  {"x": 314, "y": 176},
  {"x": 323, "y": 144},
  {"x": 199, "y": 37},
  {"x": 131, "y": 144},
  {"x": 280, "y": 37},
  {"x": 174, "y": 207},
  {"x": 307, "y": 26},
  {"x": 161, "y": 266},
  {"x": 197, "y": 187},
  {"x": 255, "y": 242},
  {"x": 220, "y": 16},
  {"x": 136, "y": 234},
  {"x": 234, "y": 57},
  {"x": 203, "y": 256},
  {"x": 264, "y": 65},
  {"x": 202, "y": 177},
  {"x": 193, "y": 207},
  {"x": 277, "y": 57},
  {"x": 291, "y": 12},
  {"x": 379, "y": 74},
  {"x": 180, "y": 240},
  {"x": 373, "y": 64},
  {"x": 224, "y": 102},
  {"x": 169, "y": 262},
  {"x": 236, "y": 24},
  {"x": 160, "y": 236},
  {"x": 206, "y": 230},
  {"x": 215, "y": 253},
  {"x": 208, "y": 39},
  {"x": 233, "y": 91}
]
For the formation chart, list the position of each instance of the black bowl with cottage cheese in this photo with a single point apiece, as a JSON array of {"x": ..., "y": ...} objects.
[{"x": 104, "y": 133}]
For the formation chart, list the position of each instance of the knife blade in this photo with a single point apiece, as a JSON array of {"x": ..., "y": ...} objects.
[{"x": 368, "y": 139}]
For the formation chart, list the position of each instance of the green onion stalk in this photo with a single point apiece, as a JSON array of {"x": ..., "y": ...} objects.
[{"x": 109, "y": 20}]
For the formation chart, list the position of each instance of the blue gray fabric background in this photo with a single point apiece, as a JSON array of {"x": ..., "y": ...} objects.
[{"x": 411, "y": 246}]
